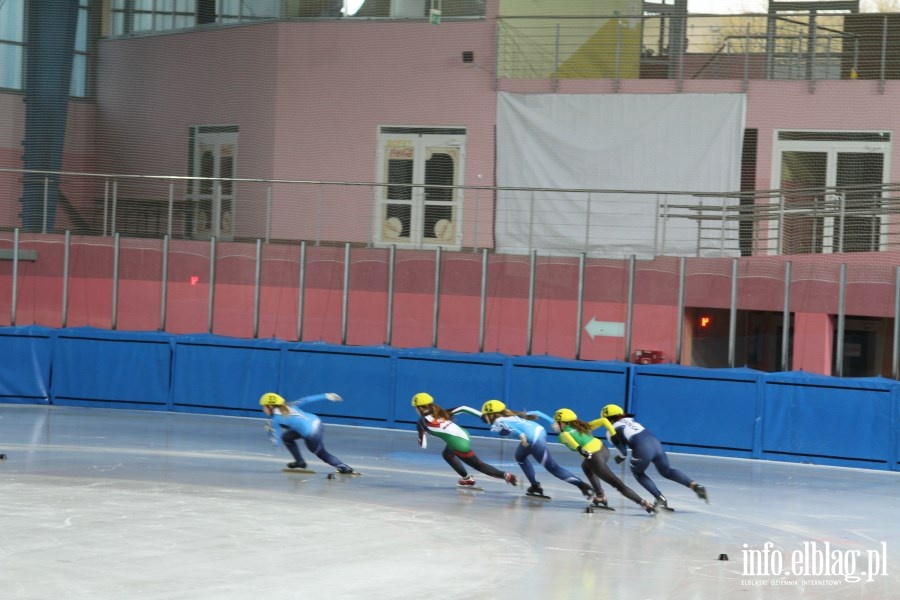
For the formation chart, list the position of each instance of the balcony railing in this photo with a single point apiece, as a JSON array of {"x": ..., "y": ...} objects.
[
  {"x": 665, "y": 223},
  {"x": 742, "y": 47}
]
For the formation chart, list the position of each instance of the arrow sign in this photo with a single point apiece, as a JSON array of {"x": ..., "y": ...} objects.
[{"x": 604, "y": 328}]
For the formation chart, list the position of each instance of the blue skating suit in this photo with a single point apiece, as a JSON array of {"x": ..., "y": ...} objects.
[
  {"x": 534, "y": 434},
  {"x": 299, "y": 424}
]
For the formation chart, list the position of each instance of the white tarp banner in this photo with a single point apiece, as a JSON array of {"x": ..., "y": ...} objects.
[{"x": 639, "y": 147}]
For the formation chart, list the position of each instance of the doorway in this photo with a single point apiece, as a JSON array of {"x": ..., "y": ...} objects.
[
  {"x": 419, "y": 204},
  {"x": 213, "y": 155},
  {"x": 832, "y": 191}
]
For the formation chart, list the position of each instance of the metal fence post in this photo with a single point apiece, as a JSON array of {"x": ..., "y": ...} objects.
[
  {"x": 15, "y": 278},
  {"x": 841, "y": 318},
  {"x": 483, "y": 299},
  {"x": 629, "y": 309},
  {"x": 345, "y": 297},
  {"x": 531, "y": 275},
  {"x": 579, "y": 313},
  {"x": 65, "y": 278},
  {"x": 257, "y": 282},
  {"x": 301, "y": 290},
  {"x": 786, "y": 320},
  {"x": 115, "y": 283},
  {"x": 732, "y": 313},
  {"x": 389, "y": 326},
  {"x": 437, "y": 297},
  {"x": 212, "y": 284},
  {"x": 164, "y": 287},
  {"x": 679, "y": 333}
]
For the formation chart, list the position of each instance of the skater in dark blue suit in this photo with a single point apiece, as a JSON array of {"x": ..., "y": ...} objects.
[{"x": 624, "y": 432}]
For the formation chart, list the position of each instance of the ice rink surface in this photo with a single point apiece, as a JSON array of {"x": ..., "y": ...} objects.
[{"x": 133, "y": 505}]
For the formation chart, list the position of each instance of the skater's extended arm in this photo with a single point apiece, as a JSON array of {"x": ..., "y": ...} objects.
[
  {"x": 540, "y": 415},
  {"x": 330, "y": 396},
  {"x": 603, "y": 422},
  {"x": 465, "y": 410}
]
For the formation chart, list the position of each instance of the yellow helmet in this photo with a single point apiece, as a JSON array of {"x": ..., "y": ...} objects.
[
  {"x": 564, "y": 415},
  {"x": 421, "y": 399},
  {"x": 611, "y": 410},
  {"x": 492, "y": 407},
  {"x": 271, "y": 399}
]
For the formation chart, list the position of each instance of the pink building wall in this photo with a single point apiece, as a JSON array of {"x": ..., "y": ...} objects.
[{"x": 309, "y": 98}]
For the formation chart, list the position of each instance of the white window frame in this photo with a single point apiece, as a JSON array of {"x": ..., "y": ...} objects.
[
  {"x": 831, "y": 148},
  {"x": 418, "y": 140}
]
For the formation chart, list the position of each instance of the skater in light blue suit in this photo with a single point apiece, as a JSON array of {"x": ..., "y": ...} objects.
[
  {"x": 289, "y": 424},
  {"x": 533, "y": 438}
]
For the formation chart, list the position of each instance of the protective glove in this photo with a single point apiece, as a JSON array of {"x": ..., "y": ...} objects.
[
  {"x": 273, "y": 437},
  {"x": 333, "y": 397},
  {"x": 587, "y": 455},
  {"x": 524, "y": 439}
]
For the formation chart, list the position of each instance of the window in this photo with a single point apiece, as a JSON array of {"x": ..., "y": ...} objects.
[
  {"x": 833, "y": 187},
  {"x": 213, "y": 153},
  {"x": 12, "y": 44},
  {"x": 78, "y": 86},
  {"x": 13, "y": 48},
  {"x": 149, "y": 16},
  {"x": 419, "y": 205}
]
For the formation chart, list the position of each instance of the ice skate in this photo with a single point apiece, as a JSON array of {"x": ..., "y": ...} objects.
[
  {"x": 600, "y": 500},
  {"x": 535, "y": 489},
  {"x": 467, "y": 481},
  {"x": 296, "y": 465},
  {"x": 700, "y": 491},
  {"x": 587, "y": 491}
]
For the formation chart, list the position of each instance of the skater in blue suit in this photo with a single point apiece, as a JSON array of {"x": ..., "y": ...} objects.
[
  {"x": 533, "y": 443},
  {"x": 624, "y": 432},
  {"x": 294, "y": 424}
]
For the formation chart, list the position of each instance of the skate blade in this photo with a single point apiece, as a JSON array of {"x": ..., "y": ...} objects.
[
  {"x": 537, "y": 496},
  {"x": 300, "y": 471},
  {"x": 473, "y": 488}
]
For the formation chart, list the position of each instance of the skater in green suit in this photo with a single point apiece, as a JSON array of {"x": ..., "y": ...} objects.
[{"x": 438, "y": 422}]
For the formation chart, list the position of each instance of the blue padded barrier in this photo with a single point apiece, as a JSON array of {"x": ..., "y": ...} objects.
[
  {"x": 217, "y": 374},
  {"x": 828, "y": 420},
  {"x": 704, "y": 411},
  {"x": 547, "y": 384},
  {"x": 96, "y": 367},
  {"x": 25, "y": 367},
  {"x": 728, "y": 412},
  {"x": 361, "y": 375},
  {"x": 453, "y": 378}
]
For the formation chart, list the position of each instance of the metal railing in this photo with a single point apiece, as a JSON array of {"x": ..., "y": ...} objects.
[
  {"x": 742, "y": 47},
  {"x": 665, "y": 223}
]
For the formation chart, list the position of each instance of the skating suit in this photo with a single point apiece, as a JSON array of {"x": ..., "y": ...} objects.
[
  {"x": 535, "y": 435},
  {"x": 304, "y": 423},
  {"x": 456, "y": 438}
]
